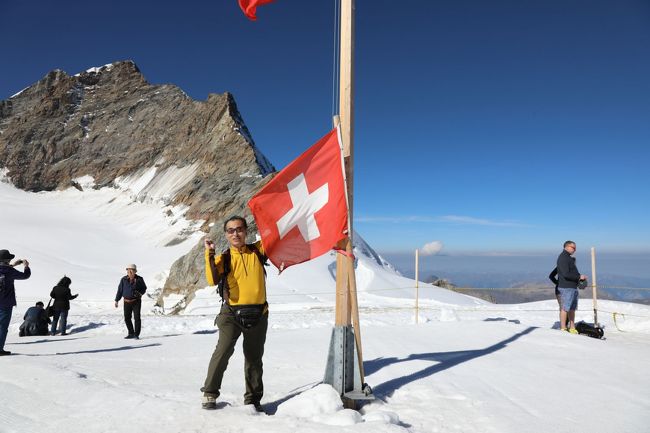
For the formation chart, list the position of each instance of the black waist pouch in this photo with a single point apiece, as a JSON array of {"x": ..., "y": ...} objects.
[{"x": 248, "y": 316}]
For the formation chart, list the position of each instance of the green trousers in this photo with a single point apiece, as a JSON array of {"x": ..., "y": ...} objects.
[{"x": 254, "y": 339}]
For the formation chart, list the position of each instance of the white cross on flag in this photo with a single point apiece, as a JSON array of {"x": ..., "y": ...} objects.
[{"x": 302, "y": 212}]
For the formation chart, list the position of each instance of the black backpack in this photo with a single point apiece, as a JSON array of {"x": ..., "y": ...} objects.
[
  {"x": 2, "y": 283},
  {"x": 222, "y": 285},
  {"x": 590, "y": 330}
]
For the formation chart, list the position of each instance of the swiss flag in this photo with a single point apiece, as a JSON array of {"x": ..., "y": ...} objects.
[
  {"x": 302, "y": 212},
  {"x": 250, "y": 7}
]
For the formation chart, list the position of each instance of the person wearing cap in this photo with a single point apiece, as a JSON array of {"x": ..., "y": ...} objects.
[
  {"x": 131, "y": 288},
  {"x": 8, "y": 293},
  {"x": 568, "y": 278}
]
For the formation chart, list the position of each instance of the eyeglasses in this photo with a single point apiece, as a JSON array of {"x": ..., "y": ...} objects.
[{"x": 233, "y": 230}]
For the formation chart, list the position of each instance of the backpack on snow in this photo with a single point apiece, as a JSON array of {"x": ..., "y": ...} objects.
[{"x": 590, "y": 330}]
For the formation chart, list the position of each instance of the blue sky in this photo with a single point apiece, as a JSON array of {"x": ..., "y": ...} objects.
[{"x": 487, "y": 126}]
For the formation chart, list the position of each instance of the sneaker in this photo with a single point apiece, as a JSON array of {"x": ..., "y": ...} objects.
[
  {"x": 573, "y": 331},
  {"x": 209, "y": 402},
  {"x": 563, "y": 329},
  {"x": 4, "y": 352}
]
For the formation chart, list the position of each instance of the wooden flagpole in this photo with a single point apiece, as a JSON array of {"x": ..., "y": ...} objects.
[
  {"x": 350, "y": 309},
  {"x": 340, "y": 365}
]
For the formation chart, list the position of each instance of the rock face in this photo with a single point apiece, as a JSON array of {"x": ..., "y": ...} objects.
[{"x": 111, "y": 124}]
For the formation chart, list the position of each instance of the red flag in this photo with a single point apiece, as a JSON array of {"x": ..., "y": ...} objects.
[
  {"x": 249, "y": 7},
  {"x": 302, "y": 212}
]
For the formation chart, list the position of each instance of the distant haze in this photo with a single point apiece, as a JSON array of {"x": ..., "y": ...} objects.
[{"x": 482, "y": 271}]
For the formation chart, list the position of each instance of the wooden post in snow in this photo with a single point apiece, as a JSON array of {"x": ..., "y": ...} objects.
[
  {"x": 417, "y": 286},
  {"x": 594, "y": 285}
]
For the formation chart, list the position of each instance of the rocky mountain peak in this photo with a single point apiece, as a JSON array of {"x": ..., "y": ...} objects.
[{"x": 108, "y": 123}]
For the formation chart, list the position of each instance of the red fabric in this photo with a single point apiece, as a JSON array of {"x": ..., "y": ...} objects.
[
  {"x": 249, "y": 7},
  {"x": 313, "y": 214}
]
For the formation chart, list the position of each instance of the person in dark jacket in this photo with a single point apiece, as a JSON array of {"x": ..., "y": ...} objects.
[
  {"x": 8, "y": 293},
  {"x": 568, "y": 278},
  {"x": 62, "y": 296},
  {"x": 131, "y": 288},
  {"x": 35, "y": 321}
]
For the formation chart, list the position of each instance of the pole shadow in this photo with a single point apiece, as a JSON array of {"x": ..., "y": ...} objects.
[
  {"x": 113, "y": 349},
  {"x": 47, "y": 340},
  {"x": 444, "y": 360}
]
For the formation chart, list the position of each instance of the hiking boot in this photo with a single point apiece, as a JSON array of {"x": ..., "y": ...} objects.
[
  {"x": 258, "y": 407},
  {"x": 4, "y": 352},
  {"x": 573, "y": 331},
  {"x": 209, "y": 402}
]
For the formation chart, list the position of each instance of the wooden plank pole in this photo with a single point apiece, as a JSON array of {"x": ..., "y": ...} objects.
[
  {"x": 417, "y": 286},
  {"x": 594, "y": 285},
  {"x": 344, "y": 265},
  {"x": 342, "y": 311}
]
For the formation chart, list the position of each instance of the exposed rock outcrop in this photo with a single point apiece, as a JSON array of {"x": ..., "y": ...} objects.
[{"x": 111, "y": 124}]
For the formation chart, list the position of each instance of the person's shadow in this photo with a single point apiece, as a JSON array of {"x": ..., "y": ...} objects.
[
  {"x": 91, "y": 325},
  {"x": 443, "y": 361}
]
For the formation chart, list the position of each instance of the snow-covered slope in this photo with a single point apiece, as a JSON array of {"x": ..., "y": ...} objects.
[
  {"x": 466, "y": 366},
  {"x": 91, "y": 235}
]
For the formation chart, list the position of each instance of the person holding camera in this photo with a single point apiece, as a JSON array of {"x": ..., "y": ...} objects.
[
  {"x": 8, "y": 293},
  {"x": 62, "y": 296},
  {"x": 131, "y": 287},
  {"x": 239, "y": 271}
]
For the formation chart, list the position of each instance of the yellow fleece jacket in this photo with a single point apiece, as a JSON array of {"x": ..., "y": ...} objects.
[{"x": 246, "y": 281}]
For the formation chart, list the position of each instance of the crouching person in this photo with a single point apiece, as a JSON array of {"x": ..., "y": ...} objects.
[{"x": 35, "y": 321}]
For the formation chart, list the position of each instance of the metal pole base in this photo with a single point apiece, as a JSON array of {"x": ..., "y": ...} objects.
[{"x": 342, "y": 370}]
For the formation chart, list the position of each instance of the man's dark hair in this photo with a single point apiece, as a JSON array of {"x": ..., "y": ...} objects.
[
  {"x": 567, "y": 243},
  {"x": 235, "y": 218},
  {"x": 40, "y": 304}
]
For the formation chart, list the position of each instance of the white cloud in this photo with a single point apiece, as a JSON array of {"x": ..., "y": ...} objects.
[{"x": 431, "y": 248}]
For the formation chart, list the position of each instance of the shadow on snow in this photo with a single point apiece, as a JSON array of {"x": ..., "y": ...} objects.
[
  {"x": 112, "y": 349},
  {"x": 443, "y": 361}
]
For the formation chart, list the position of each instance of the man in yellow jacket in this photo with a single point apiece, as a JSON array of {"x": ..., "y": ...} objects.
[{"x": 240, "y": 274}]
